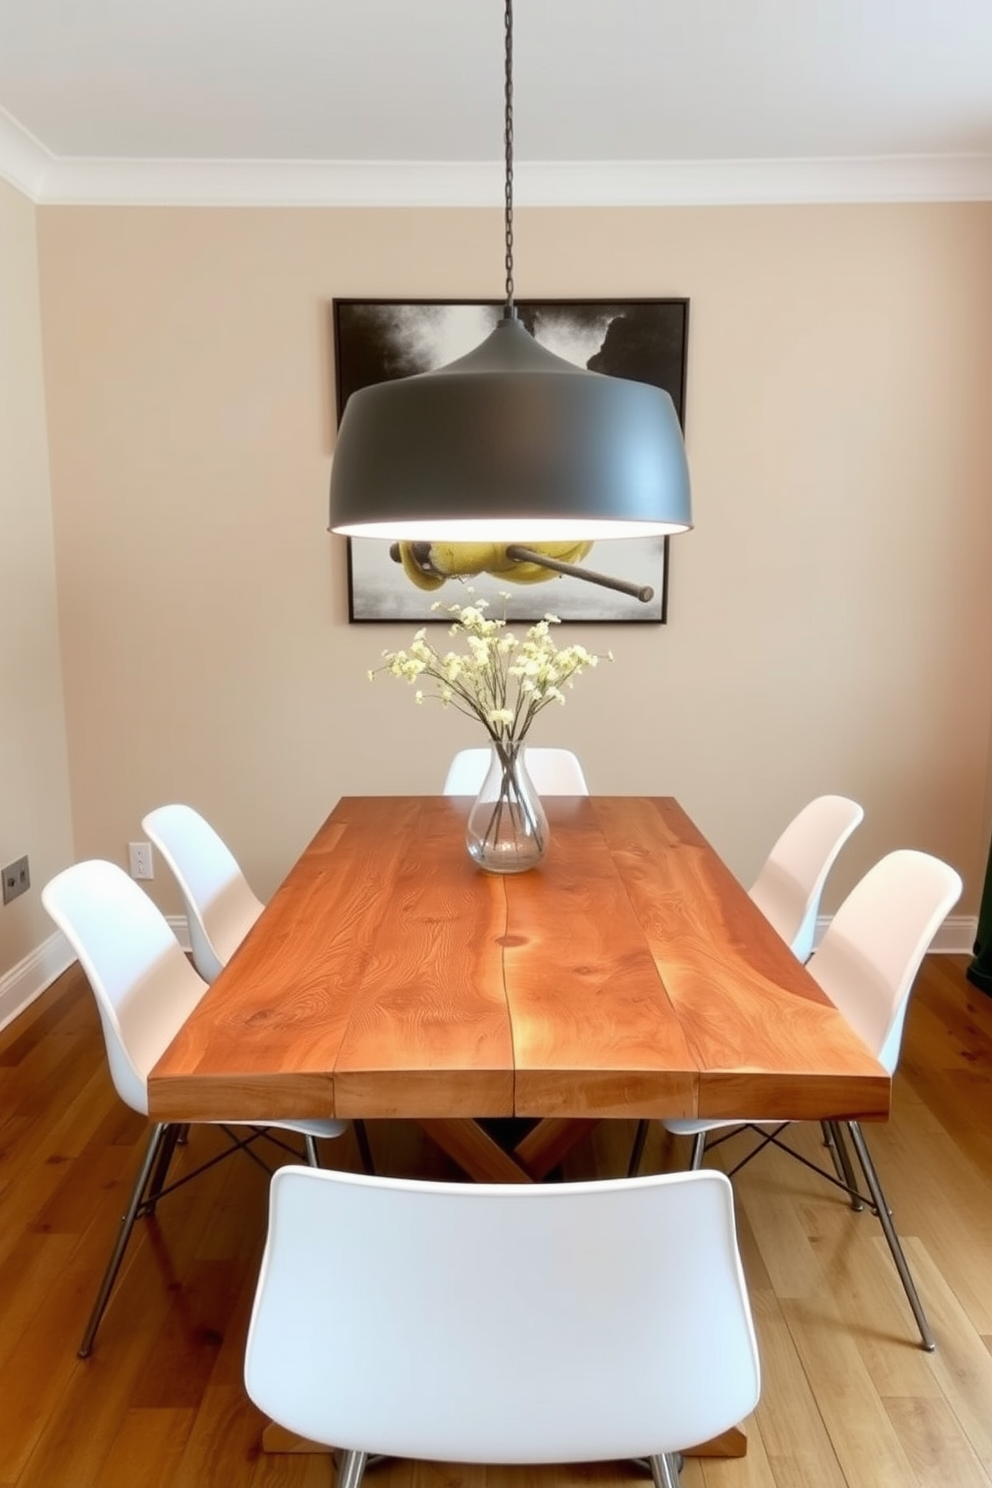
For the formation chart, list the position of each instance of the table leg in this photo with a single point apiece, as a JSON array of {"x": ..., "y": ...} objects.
[
  {"x": 543, "y": 1148},
  {"x": 730, "y": 1443},
  {"x": 475, "y": 1151}
]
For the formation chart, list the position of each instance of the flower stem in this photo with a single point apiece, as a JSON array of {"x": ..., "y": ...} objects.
[{"x": 511, "y": 798}]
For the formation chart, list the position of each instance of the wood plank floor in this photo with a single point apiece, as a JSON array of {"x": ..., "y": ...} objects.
[{"x": 848, "y": 1396}]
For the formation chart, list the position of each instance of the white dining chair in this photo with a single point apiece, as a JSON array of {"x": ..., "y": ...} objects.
[
  {"x": 866, "y": 964},
  {"x": 220, "y": 905},
  {"x": 554, "y": 772},
  {"x": 145, "y": 990},
  {"x": 788, "y": 890},
  {"x": 790, "y": 883},
  {"x": 502, "y": 1324}
]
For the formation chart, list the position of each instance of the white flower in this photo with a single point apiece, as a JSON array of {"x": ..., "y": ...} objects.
[{"x": 499, "y": 679}]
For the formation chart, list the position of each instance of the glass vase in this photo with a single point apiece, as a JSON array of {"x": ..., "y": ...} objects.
[{"x": 507, "y": 829}]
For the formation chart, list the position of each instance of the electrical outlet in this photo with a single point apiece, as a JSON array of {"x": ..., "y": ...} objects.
[
  {"x": 140, "y": 857},
  {"x": 16, "y": 879}
]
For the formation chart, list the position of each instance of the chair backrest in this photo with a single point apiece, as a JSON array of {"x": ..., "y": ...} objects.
[
  {"x": 496, "y": 1323},
  {"x": 145, "y": 988},
  {"x": 789, "y": 887},
  {"x": 872, "y": 949},
  {"x": 220, "y": 906},
  {"x": 555, "y": 772}
]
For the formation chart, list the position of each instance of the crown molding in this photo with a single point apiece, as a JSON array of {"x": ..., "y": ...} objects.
[
  {"x": 685, "y": 183},
  {"x": 49, "y": 181},
  {"x": 23, "y": 160}
]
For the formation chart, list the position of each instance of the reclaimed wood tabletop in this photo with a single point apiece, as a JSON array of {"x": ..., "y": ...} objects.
[{"x": 629, "y": 975}]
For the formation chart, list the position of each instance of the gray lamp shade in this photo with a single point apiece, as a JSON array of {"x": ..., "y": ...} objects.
[{"x": 509, "y": 443}]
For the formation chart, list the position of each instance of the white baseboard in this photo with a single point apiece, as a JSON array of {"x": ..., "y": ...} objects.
[
  {"x": 180, "y": 930},
  {"x": 29, "y": 978},
  {"x": 956, "y": 936}
]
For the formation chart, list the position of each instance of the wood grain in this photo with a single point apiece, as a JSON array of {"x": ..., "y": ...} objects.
[
  {"x": 429, "y": 1034},
  {"x": 763, "y": 1036},
  {"x": 162, "y": 1400},
  {"x": 629, "y": 975},
  {"x": 594, "y": 1031}
]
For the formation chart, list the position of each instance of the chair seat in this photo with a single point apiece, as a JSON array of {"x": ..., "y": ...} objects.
[
  {"x": 866, "y": 964},
  {"x": 145, "y": 990},
  {"x": 220, "y": 910},
  {"x": 683, "y": 1127},
  {"x": 315, "y": 1127}
]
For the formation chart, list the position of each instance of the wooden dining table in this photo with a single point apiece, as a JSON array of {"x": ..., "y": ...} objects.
[{"x": 629, "y": 975}]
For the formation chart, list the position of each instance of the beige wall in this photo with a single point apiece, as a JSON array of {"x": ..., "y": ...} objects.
[
  {"x": 34, "y": 785},
  {"x": 830, "y": 614}
]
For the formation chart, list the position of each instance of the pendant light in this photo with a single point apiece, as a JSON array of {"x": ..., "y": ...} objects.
[{"x": 509, "y": 443}]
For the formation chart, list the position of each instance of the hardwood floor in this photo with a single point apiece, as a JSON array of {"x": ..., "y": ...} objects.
[{"x": 848, "y": 1396}]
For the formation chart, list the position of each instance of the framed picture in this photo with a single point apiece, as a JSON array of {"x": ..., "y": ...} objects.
[{"x": 375, "y": 340}]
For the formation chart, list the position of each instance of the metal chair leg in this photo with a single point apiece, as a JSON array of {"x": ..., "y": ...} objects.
[
  {"x": 364, "y": 1149},
  {"x": 889, "y": 1230},
  {"x": 665, "y": 1470},
  {"x": 698, "y": 1148},
  {"x": 830, "y": 1142},
  {"x": 351, "y": 1469},
  {"x": 172, "y": 1137},
  {"x": 637, "y": 1151},
  {"x": 158, "y": 1135},
  {"x": 313, "y": 1156},
  {"x": 842, "y": 1162}
]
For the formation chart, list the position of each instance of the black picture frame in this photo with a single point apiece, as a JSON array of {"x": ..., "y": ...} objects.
[{"x": 644, "y": 339}]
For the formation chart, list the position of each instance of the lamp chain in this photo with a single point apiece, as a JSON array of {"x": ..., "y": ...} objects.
[{"x": 508, "y": 150}]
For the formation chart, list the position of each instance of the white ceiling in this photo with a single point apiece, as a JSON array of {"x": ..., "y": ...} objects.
[{"x": 392, "y": 100}]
